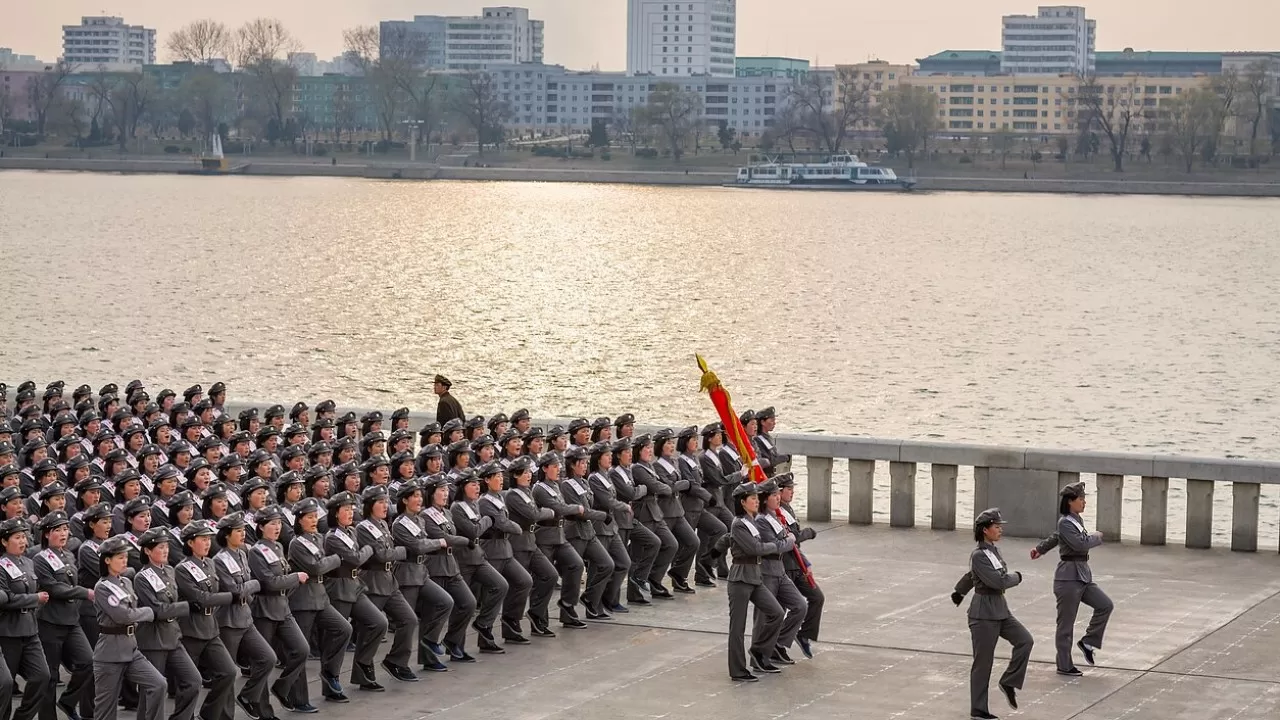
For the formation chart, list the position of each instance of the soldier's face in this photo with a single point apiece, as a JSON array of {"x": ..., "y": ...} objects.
[
  {"x": 494, "y": 483},
  {"x": 993, "y": 532},
  {"x": 58, "y": 536},
  {"x": 308, "y": 522},
  {"x": 768, "y": 424},
  {"x": 1077, "y": 506},
  {"x": 90, "y": 498},
  {"x": 270, "y": 531},
  {"x": 16, "y": 544},
  {"x": 440, "y": 496},
  {"x": 379, "y": 510},
  {"x": 471, "y": 490},
  {"x": 185, "y": 514},
  {"x": 158, "y": 554},
  {"x": 235, "y": 538},
  {"x": 751, "y": 503},
  {"x": 200, "y": 545},
  {"x": 772, "y": 501},
  {"x": 117, "y": 563},
  {"x": 785, "y": 494}
]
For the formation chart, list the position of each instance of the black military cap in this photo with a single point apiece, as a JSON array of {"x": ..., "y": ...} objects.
[
  {"x": 197, "y": 528},
  {"x": 399, "y": 435},
  {"x": 443, "y": 381},
  {"x": 342, "y": 498},
  {"x": 238, "y": 437},
  {"x": 326, "y": 406},
  {"x": 46, "y": 465},
  {"x": 298, "y": 408},
  {"x": 521, "y": 465},
  {"x": 66, "y": 440},
  {"x": 52, "y": 392},
  {"x": 218, "y": 388},
  {"x": 747, "y": 417},
  {"x": 181, "y": 499},
  {"x": 90, "y": 483},
  {"x": 429, "y": 484},
  {"x": 292, "y": 452},
  {"x": 600, "y": 423},
  {"x": 202, "y": 406},
  {"x": 785, "y": 480},
  {"x": 554, "y": 432},
  {"x": 289, "y": 478},
  {"x": 153, "y": 537},
  {"x": 274, "y": 411},
  {"x": 159, "y": 423},
  {"x": 25, "y": 395},
  {"x": 401, "y": 457},
  {"x": 53, "y": 520},
  {"x": 30, "y": 385},
  {"x": 432, "y": 450},
  {"x": 191, "y": 422},
  {"x": 191, "y": 392},
  {"x": 294, "y": 430},
  {"x": 577, "y": 424},
  {"x": 53, "y": 489},
  {"x": 180, "y": 409},
  {"x": 133, "y": 385},
  {"x": 499, "y": 418},
  {"x": 429, "y": 429},
  {"x": 4, "y": 390},
  {"x": 138, "y": 397},
  {"x": 6, "y": 447},
  {"x": 33, "y": 444},
  {"x": 408, "y": 489},
  {"x": 231, "y": 521},
  {"x": 375, "y": 461},
  {"x": 318, "y": 449},
  {"x": 9, "y": 494},
  {"x": 12, "y": 527},
  {"x": 454, "y": 424},
  {"x": 508, "y": 436},
  {"x": 626, "y": 443},
  {"x": 546, "y": 459},
  {"x": 481, "y": 441},
  {"x": 267, "y": 514},
  {"x": 130, "y": 432},
  {"x": 663, "y": 435},
  {"x": 321, "y": 423},
  {"x": 167, "y": 472},
  {"x": 489, "y": 469},
  {"x": 400, "y": 413},
  {"x": 265, "y": 432},
  {"x": 464, "y": 476},
  {"x": 257, "y": 457},
  {"x": 600, "y": 448},
  {"x": 149, "y": 449},
  {"x": 196, "y": 466},
  {"x": 255, "y": 483},
  {"x": 215, "y": 490},
  {"x": 97, "y": 511},
  {"x": 457, "y": 447},
  {"x": 179, "y": 447},
  {"x": 745, "y": 489},
  {"x": 116, "y": 455},
  {"x": 990, "y": 516},
  {"x": 766, "y": 413},
  {"x": 165, "y": 393},
  {"x": 372, "y": 416},
  {"x": 64, "y": 418},
  {"x": 231, "y": 461},
  {"x": 83, "y": 391},
  {"x": 126, "y": 475},
  {"x": 533, "y": 432},
  {"x": 624, "y": 419},
  {"x": 115, "y": 545},
  {"x": 476, "y": 422},
  {"x": 1073, "y": 491},
  {"x": 712, "y": 429},
  {"x": 372, "y": 438},
  {"x": 136, "y": 506},
  {"x": 250, "y": 414},
  {"x": 76, "y": 463},
  {"x": 222, "y": 420},
  {"x": 576, "y": 453},
  {"x": 373, "y": 494},
  {"x": 521, "y": 414},
  {"x": 686, "y": 433},
  {"x": 316, "y": 473}
]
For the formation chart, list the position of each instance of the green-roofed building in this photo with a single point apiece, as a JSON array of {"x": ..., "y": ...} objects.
[
  {"x": 777, "y": 67},
  {"x": 1124, "y": 62}
]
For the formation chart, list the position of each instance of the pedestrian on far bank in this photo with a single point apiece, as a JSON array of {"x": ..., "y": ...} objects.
[{"x": 449, "y": 407}]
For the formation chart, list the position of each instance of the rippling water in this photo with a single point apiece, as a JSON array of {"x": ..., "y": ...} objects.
[{"x": 1112, "y": 323}]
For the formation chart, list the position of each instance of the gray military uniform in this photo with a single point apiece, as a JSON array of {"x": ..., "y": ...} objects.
[
  {"x": 161, "y": 639},
  {"x": 312, "y": 610},
  {"x": 347, "y": 595},
  {"x": 61, "y": 636},
  {"x": 20, "y": 637},
  {"x": 198, "y": 585},
  {"x": 605, "y": 497},
  {"x": 747, "y": 585},
  {"x": 990, "y": 620},
  {"x": 379, "y": 577},
  {"x": 776, "y": 579},
  {"x": 496, "y": 542},
  {"x": 486, "y": 583},
  {"x": 430, "y": 602},
  {"x": 244, "y": 643},
  {"x": 581, "y": 533},
  {"x": 116, "y": 657},
  {"x": 444, "y": 571},
  {"x": 551, "y": 540},
  {"x": 642, "y": 544},
  {"x": 1073, "y": 584},
  {"x": 526, "y": 513},
  {"x": 272, "y": 616},
  {"x": 649, "y": 513},
  {"x": 700, "y": 512},
  {"x": 812, "y": 593}
]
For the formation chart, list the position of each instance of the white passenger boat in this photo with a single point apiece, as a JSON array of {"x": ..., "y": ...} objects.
[{"x": 839, "y": 172}]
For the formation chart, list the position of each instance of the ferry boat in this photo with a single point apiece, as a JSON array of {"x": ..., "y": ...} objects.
[{"x": 839, "y": 172}]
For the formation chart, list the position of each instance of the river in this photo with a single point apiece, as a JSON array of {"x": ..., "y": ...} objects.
[{"x": 1113, "y": 323}]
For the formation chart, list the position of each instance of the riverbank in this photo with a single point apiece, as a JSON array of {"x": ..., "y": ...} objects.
[{"x": 693, "y": 176}]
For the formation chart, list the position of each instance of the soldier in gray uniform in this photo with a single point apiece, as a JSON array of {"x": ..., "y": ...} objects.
[
  {"x": 990, "y": 618},
  {"x": 581, "y": 532},
  {"x": 443, "y": 568},
  {"x": 650, "y": 513},
  {"x": 696, "y": 501},
  {"x": 20, "y": 597},
  {"x": 379, "y": 578},
  {"x": 487, "y": 585},
  {"x": 811, "y": 592},
  {"x": 719, "y": 480},
  {"x": 641, "y": 543},
  {"x": 1073, "y": 581},
  {"x": 244, "y": 643},
  {"x": 61, "y": 637},
  {"x": 551, "y": 538},
  {"x": 271, "y": 614},
  {"x": 498, "y": 551},
  {"x": 347, "y": 593},
  {"x": 97, "y": 528},
  {"x": 605, "y": 497},
  {"x": 746, "y": 586},
  {"x": 432, "y": 604},
  {"x": 161, "y": 640},
  {"x": 775, "y": 573},
  {"x": 673, "y": 511},
  {"x": 766, "y": 451},
  {"x": 526, "y": 513},
  {"x": 116, "y": 657},
  {"x": 198, "y": 585},
  {"x": 312, "y": 609}
]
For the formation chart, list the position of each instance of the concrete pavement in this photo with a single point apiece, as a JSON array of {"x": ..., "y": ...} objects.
[{"x": 1195, "y": 634}]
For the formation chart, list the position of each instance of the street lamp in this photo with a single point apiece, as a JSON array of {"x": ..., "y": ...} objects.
[{"x": 413, "y": 138}]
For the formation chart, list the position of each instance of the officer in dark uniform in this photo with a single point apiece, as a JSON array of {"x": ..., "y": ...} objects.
[
  {"x": 116, "y": 657},
  {"x": 198, "y": 585},
  {"x": 244, "y": 643},
  {"x": 487, "y": 585},
  {"x": 799, "y": 577},
  {"x": 20, "y": 597},
  {"x": 378, "y": 576},
  {"x": 498, "y": 552},
  {"x": 444, "y": 570},
  {"x": 161, "y": 640},
  {"x": 448, "y": 408},
  {"x": 580, "y": 531},
  {"x": 311, "y": 607},
  {"x": 61, "y": 637},
  {"x": 271, "y": 614},
  {"x": 746, "y": 586},
  {"x": 610, "y": 531},
  {"x": 430, "y": 602},
  {"x": 347, "y": 592}
]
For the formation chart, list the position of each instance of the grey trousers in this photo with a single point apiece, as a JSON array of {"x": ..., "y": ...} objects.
[
  {"x": 433, "y": 606},
  {"x": 764, "y": 631},
  {"x": 216, "y": 665},
  {"x": 519, "y": 583},
  {"x": 667, "y": 547},
  {"x": 686, "y": 547},
  {"x": 175, "y": 664},
  {"x": 291, "y": 649},
  {"x": 617, "y": 548},
  {"x": 642, "y": 547},
  {"x": 543, "y": 576},
  {"x": 332, "y": 633},
  {"x": 985, "y": 633},
  {"x": 599, "y": 569},
  {"x": 25, "y": 657},
  {"x": 109, "y": 678},
  {"x": 1070, "y": 595},
  {"x": 247, "y": 647},
  {"x": 368, "y": 627},
  {"x": 792, "y": 602},
  {"x": 490, "y": 590},
  {"x": 464, "y": 603},
  {"x": 403, "y": 624},
  {"x": 569, "y": 566}
]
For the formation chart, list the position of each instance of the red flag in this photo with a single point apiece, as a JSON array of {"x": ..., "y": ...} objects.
[{"x": 737, "y": 435}]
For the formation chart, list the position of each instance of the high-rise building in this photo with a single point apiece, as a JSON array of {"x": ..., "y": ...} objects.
[
  {"x": 497, "y": 36},
  {"x": 681, "y": 38},
  {"x": 1057, "y": 40},
  {"x": 104, "y": 40}
]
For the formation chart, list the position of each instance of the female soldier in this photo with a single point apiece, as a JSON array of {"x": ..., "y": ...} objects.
[
  {"x": 483, "y": 449},
  {"x": 746, "y": 585},
  {"x": 529, "y": 517},
  {"x": 489, "y": 587},
  {"x": 551, "y": 538},
  {"x": 429, "y": 601},
  {"x": 511, "y": 446},
  {"x": 116, "y": 657},
  {"x": 311, "y": 607},
  {"x": 697, "y": 501},
  {"x": 182, "y": 510},
  {"x": 161, "y": 641},
  {"x": 198, "y": 584},
  {"x": 271, "y": 616},
  {"x": 581, "y": 532},
  {"x": 347, "y": 593},
  {"x": 378, "y": 577},
  {"x": 642, "y": 544},
  {"x": 775, "y": 573},
  {"x": 800, "y": 575},
  {"x": 20, "y": 595},
  {"x": 650, "y": 512},
  {"x": 61, "y": 637},
  {"x": 457, "y": 457},
  {"x": 444, "y": 569},
  {"x": 429, "y": 461},
  {"x": 608, "y": 531},
  {"x": 235, "y": 621},
  {"x": 990, "y": 618},
  {"x": 97, "y": 528},
  {"x": 1073, "y": 581},
  {"x": 664, "y": 443},
  {"x": 601, "y": 430},
  {"x": 498, "y": 552}
]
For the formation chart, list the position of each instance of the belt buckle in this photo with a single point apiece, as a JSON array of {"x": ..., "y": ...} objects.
[
  {"x": 560, "y": 523},
  {"x": 208, "y": 611},
  {"x": 320, "y": 580},
  {"x": 448, "y": 551},
  {"x": 355, "y": 574},
  {"x": 422, "y": 560},
  {"x": 283, "y": 593},
  {"x": 129, "y": 630},
  {"x": 387, "y": 566}
]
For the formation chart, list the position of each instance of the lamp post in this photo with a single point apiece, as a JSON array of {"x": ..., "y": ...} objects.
[{"x": 413, "y": 138}]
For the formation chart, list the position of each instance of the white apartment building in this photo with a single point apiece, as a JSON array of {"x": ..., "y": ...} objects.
[
  {"x": 551, "y": 99},
  {"x": 681, "y": 39},
  {"x": 105, "y": 40},
  {"x": 1057, "y": 40},
  {"x": 497, "y": 36}
]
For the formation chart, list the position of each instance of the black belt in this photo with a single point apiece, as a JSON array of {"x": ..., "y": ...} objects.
[
  {"x": 116, "y": 630},
  {"x": 1084, "y": 557},
  {"x": 746, "y": 560},
  {"x": 771, "y": 557},
  {"x": 208, "y": 611},
  {"x": 987, "y": 591},
  {"x": 421, "y": 559}
]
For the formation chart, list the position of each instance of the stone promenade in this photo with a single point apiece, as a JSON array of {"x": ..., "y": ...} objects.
[{"x": 1195, "y": 634}]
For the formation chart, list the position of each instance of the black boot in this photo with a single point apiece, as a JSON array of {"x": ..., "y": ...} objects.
[{"x": 513, "y": 633}]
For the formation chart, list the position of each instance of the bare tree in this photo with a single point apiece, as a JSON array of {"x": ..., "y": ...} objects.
[
  {"x": 908, "y": 117},
  {"x": 102, "y": 108},
  {"x": 1002, "y": 143},
  {"x": 200, "y": 42},
  {"x": 205, "y": 94},
  {"x": 624, "y": 126},
  {"x": 477, "y": 103},
  {"x": 395, "y": 63},
  {"x": 137, "y": 92},
  {"x": 1257, "y": 84},
  {"x": 45, "y": 89},
  {"x": 261, "y": 50},
  {"x": 1195, "y": 120},
  {"x": 1116, "y": 118},
  {"x": 831, "y": 115},
  {"x": 344, "y": 112},
  {"x": 675, "y": 114}
]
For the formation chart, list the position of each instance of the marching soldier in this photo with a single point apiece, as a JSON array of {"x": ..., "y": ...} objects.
[
  {"x": 990, "y": 618},
  {"x": 347, "y": 593},
  {"x": 20, "y": 597},
  {"x": 161, "y": 640},
  {"x": 775, "y": 575},
  {"x": 62, "y": 638},
  {"x": 610, "y": 531},
  {"x": 312, "y": 609},
  {"x": 673, "y": 512},
  {"x": 444, "y": 571},
  {"x": 746, "y": 585},
  {"x": 498, "y": 551},
  {"x": 799, "y": 575},
  {"x": 379, "y": 580},
  {"x": 97, "y": 528},
  {"x": 719, "y": 481},
  {"x": 650, "y": 513},
  {"x": 244, "y": 643},
  {"x": 766, "y": 451},
  {"x": 430, "y": 602},
  {"x": 198, "y": 584},
  {"x": 581, "y": 532},
  {"x": 696, "y": 501},
  {"x": 551, "y": 538},
  {"x": 641, "y": 543},
  {"x": 116, "y": 658},
  {"x": 271, "y": 614},
  {"x": 486, "y": 584}
]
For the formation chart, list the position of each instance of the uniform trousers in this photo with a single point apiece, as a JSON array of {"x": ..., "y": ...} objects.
[
  {"x": 403, "y": 624},
  {"x": 89, "y": 625},
  {"x": 643, "y": 547},
  {"x": 686, "y": 547},
  {"x": 519, "y": 583},
  {"x": 764, "y": 631},
  {"x": 617, "y": 549},
  {"x": 248, "y": 648},
  {"x": 176, "y": 665},
  {"x": 785, "y": 592},
  {"x": 332, "y": 633},
  {"x": 985, "y": 633},
  {"x": 713, "y": 522},
  {"x": 109, "y": 679},
  {"x": 543, "y": 575},
  {"x": 433, "y": 606},
  {"x": 66, "y": 646},
  {"x": 23, "y": 656},
  {"x": 489, "y": 589},
  {"x": 368, "y": 627},
  {"x": 600, "y": 569},
  {"x": 464, "y": 603},
  {"x": 291, "y": 650},
  {"x": 667, "y": 547},
  {"x": 569, "y": 567},
  {"x": 1070, "y": 595},
  {"x": 215, "y": 665},
  {"x": 813, "y": 594}
]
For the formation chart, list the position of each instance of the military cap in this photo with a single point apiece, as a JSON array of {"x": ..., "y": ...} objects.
[
  {"x": 257, "y": 457},
  {"x": 30, "y": 385},
  {"x": 12, "y": 526},
  {"x": 688, "y": 432},
  {"x": 555, "y": 431},
  {"x": 202, "y": 406},
  {"x": 133, "y": 385},
  {"x": 116, "y": 455},
  {"x": 53, "y": 489},
  {"x": 287, "y": 479},
  {"x": 25, "y": 395},
  {"x": 408, "y": 489},
  {"x": 34, "y": 423},
  {"x": 4, "y": 390},
  {"x": 88, "y": 416},
  {"x": 33, "y": 445},
  {"x": 138, "y": 397},
  {"x": 785, "y": 480},
  {"x": 489, "y": 469},
  {"x": 215, "y": 490},
  {"x": 209, "y": 443},
  {"x": 114, "y": 545},
  {"x": 990, "y": 516},
  {"x": 745, "y": 489},
  {"x": 64, "y": 418},
  {"x": 218, "y": 388},
  {"x": 466, "y": 475},
  {"x": 67, "y": 440},
  {"x": 663, "y": 435},
  {"x": 250, "y": 414},
  {"x": 52, "y": 392},
  {"x": 372, "y": 416},
  {"x": 55, "y": 519},
  {"x": 315, "y": 473},
  {"x": 231, "y": 521},
  {"x": 766, "y": 413},
  {"x": 348, "y": 417},
  {"x": 274, "y": 411},
  {"x": 178, "y": 447},
  {"x": 158, "y": 423},
  {"x": 499, "y": 418},
  {"x": 476, "y": 422},
  {"x": 508, "y": 436},
  {"x": 87, "y": 484},
  {"x": 255, "y": 484},
  {"x": 546, "y": 459},
  {"x": 136, "y": 506},
  {"x": 374, "y": 462},
  {"x": 165, "y": 393},
  {"x": 6, "y": 447},
  {"x": 577, "y": 424},
  {"x": 298, "y": 408},
  {"x": 768, "y": 487},
  {"x": 624, "y": 419},
  {"x": 97, "y": 511},
  {"x": 267, "y": 514},
  {"x": 399, "y": 435},
  {"x": 223, "y": 420},
  {"x": 292, "y": 452},
  {"x": 400, "y": 413},
  {"x": 342, "y": 498},
  {"x": 429, "y": 484},
  {"x": 747, "y": 417},
  {"x": 231, "y": 461},
  {"x": 82, "y": 391},
  {"x": 76, "y": 463},
  {"x": 126, "y": 475},
  {"x": 454, "y": 424},
  {"x": 319, "y": 448},
  {"x": 266, "y": 432},
  {"x": 401, "y": 457},
  {"x": 576, "y": 453},
  {"x": 130, "y": 432},
  {"x": 197, "y": 528},
  {"x": 372, "y": 438},
  {"x": 443, "y": 381},
  {"x": 430, "y": 451},
  {"x": 481, "y": 441},
  {"x": 600, "y": 448},
  {"x": 9, "y": 494},
  {"x": 167, "y": 472},
  {"x": 149, "y": 449},
  {"x": 191, "y": 422},
  {"x": 153, "y": 537},
  {"x": 180, "y": 499},
  {"x": 533, "y": 432},
  {"x": 196, "y": 466},
  {"x": 374, "y": 492},
  {"x": 429, "y": 429},
  {"x": 344, "y": 443},
  {"x": 640, "y": 441},
  {"x": 521, "y": 465},
  {"x": 294, "y": 430},
  {"x": 457, "y": 447},
  {"x": 1073, "y": 491},
  {"x": 44, "y": 466},
  {"x": 321, "y": 423}
]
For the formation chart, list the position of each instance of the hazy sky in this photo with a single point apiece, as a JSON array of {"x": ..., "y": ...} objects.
[{"x": 585, "y": 33}]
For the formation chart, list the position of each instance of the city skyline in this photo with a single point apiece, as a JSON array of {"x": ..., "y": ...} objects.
[{"x": 582, "y": 34}]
